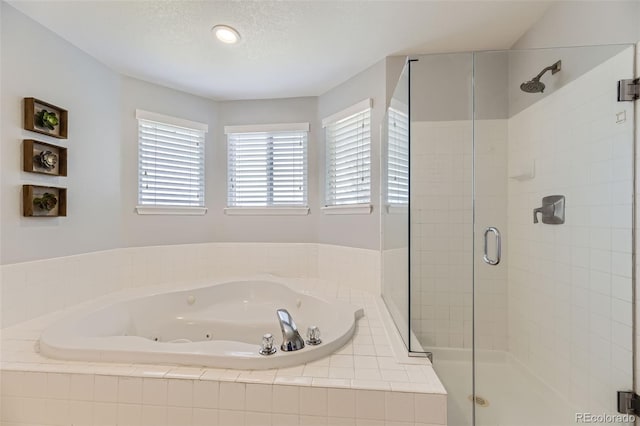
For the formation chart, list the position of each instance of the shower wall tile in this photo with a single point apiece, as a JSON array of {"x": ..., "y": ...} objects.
[
  {"x": 570, "y": 285},
  {"x": 442, "y": 264}
]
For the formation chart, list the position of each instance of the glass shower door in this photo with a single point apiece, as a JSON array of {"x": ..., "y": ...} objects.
[
  {"x": 553, "y": 184},
  {"x": 395, "y": 213},
  {"x": 441, "y": 220}
]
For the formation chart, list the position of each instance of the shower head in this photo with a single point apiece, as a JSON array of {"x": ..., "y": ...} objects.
[
  {"x": 535, "y": 85},
  {"x": 532, "y": 86}
]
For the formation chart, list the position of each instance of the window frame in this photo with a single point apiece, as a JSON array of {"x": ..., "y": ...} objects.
[
  {"x": 269, "y": 210},
  {"x": 363, "y": 106},
  {"x": 395, "y": 197},
  {"x": 169, "y": 209}
]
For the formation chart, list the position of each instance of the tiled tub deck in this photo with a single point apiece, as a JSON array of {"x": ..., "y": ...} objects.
[{"x": 364, "y": 383}]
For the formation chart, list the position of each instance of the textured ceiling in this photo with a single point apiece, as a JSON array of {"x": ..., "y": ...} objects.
[{"x": 288, "y": 48}]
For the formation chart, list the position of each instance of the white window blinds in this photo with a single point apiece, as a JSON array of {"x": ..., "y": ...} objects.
[
  {"x": 170, "y": 161},
  {"x": 348, "y": 148},
  {"x": 398, "y": 158},
  {"x": 267, "y": 168}
]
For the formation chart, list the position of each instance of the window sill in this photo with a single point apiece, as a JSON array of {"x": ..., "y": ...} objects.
[
  {"x": 266, "y": 211},
  {"x": 348, "y": 209},
  {"x": 169, "y": 210}
]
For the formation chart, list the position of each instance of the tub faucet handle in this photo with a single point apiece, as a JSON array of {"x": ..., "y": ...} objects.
[
  {"x": 313, "y": 334},
  {"x": 267, "y": 347}
]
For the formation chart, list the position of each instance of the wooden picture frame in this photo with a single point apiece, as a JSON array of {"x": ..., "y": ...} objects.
[
  {"x": 35, "y": 160},
  {"x": 32, "y": 193},
  {"x": 33, "y": 121}
]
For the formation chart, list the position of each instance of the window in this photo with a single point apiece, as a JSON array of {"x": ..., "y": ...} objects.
[
  {"x": 267, "y": 168},
  {"x": 348, "y": 151},
  {"x": 170, "y": 165},
  {"x": 398, "y": 158}
]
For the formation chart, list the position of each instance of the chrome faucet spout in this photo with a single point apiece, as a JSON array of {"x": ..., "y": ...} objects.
[{"x": 291, "y": 339}]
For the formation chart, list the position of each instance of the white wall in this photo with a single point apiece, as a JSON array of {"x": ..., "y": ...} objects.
[
  {"x": 523, "y": 65},
  {"x": 141, "y": 230},
  {"x": 355, "y": 230},
  {"x": 443, "y": 92},
  {"x": 37, "y": 63},
  {"x": 102, "y": 179},
  {"x": 263, "y": 228},
  {"x": 584, "y": 23},
  {"x": 570, "y": 286}
]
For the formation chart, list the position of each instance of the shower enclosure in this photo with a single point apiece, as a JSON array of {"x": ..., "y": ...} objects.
[{"x": 507, "y": 230}]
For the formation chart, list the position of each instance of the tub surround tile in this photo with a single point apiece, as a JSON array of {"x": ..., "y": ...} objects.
[
  {"x": 367, "y": 374},
  {"x": 291, "y": 371},
  {"x": 258, "y": 398},
  {"x": 232, "y": 396},
  {"x": 285, "y": 399},
  {"x": 179, "y": 416},
  {"x": 212, "y": 373},
  {"x": 154, "y": 415},
  {"x": 129, "y": 414},
  {"x": 293, "y": 381},
  {"x": 257, "y": 419},
  {"x": 80, "y": 412},
  {"x": 431, "y": 409},
  {"x": 231, "y": 418},
  {"x": 105, "y": 388},
  {"x": 342, "y": 403},
  {"x": 187, "y": 373},
  {"x": 312, "y": 421},
  {"x": 367, "y": 350},
  {"x": 206, "y": 394},
  {"x": 310, "y": 371},
  {"x": 341, "y": 360},
  {"x": 332, "y": 383},
  {"x": 180, "y": 393},
  {"x": 257, "y": 376},
  {"x": 155, "y": 391},
  {"x": 347, "y": 388},
  {"x": 362, "y": 367},
  {"x": 205, "y": 417},
  {"x": 129, "y": 390},
  {"x": 370, "y": 405},
  {"x": 341, "y": 373},
  {"x": 323, "y": 267},
  {"x": 155, "y": 371},
  {"x": 229, "y": 376},
  {"x": 313, "y": 401},
  {"x": 105, "y": 414},
  {"x": 399, "y": 406}
]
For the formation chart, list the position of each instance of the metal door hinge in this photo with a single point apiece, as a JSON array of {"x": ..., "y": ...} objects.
[
  {"x": 628, "y": 90},
  {"x": 628, "y": 402}
]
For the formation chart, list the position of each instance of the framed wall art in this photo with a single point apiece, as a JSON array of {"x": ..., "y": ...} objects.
[
  {"x": 44, "y": 158},
  {"x": 45, "y": 118},
  {"x": 44, "y": 201}
]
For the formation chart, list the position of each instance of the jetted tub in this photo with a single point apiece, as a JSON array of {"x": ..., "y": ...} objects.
[{"x": 216, "y": 326}]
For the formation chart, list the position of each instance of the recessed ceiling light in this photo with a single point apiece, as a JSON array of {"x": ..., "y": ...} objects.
[{"x": 226, "y": 34}]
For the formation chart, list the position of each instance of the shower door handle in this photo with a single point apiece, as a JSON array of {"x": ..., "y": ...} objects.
[{"x": 486, "y": 257}]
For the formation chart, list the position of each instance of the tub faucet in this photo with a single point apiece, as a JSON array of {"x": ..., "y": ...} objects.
[{"x": 291, "y": 339}]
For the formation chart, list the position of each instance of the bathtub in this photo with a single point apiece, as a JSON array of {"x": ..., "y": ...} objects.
[{"x": 220, "y": 325}]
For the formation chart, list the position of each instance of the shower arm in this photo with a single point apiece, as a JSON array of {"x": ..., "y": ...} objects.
[
  {"x": 553, "y": 68},
  {"x": 549, "y": 68}
]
